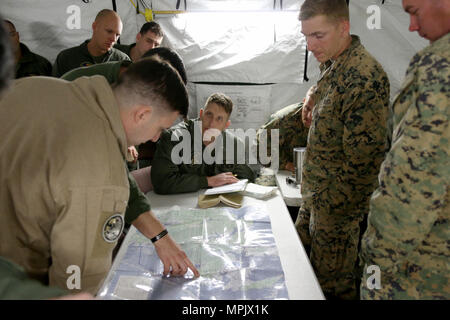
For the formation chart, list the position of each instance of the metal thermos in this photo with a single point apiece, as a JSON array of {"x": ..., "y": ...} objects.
[{"x": 299, "y": 156}]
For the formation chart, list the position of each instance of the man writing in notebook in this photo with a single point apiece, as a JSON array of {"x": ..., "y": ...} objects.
[{"x": 169, "y": 176}]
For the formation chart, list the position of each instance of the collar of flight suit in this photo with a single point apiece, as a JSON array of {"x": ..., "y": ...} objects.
[
  {"x": 26, "y": 54},
  {"x": 84, "y": 49}
]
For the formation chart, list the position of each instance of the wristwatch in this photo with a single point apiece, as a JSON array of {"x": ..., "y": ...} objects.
[{"x": 159, "y": 236}]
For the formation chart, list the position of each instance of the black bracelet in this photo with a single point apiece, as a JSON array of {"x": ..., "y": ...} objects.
[{"x": 159, "y": 236}]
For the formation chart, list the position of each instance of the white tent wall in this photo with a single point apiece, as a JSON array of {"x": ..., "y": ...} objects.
[
  {"x": 392, "y": 45},
  {"x": 220, "y": 49},
  {"x": 235, "y": 48},
  {"x": 47, "y": 27}
]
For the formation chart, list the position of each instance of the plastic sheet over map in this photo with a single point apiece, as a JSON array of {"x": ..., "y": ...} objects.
[{"x": 233, "y": 249}]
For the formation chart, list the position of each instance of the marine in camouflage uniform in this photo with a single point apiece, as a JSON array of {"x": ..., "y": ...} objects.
[
  {"x": 408, "y": 226},
  {"x": 346, "y": 145}
]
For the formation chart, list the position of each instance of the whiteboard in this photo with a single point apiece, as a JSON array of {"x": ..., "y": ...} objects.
[{"x": 251, "y": 104}]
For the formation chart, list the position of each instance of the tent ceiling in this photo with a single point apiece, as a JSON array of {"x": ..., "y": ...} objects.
[{"x": 223, "y": 5}]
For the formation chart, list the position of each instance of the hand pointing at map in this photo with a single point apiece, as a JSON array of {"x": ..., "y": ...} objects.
[{"x": 174, "y": 259}]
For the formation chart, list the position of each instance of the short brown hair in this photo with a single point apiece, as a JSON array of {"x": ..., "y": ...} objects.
[
  {"x": 152, "y": 26},
  {"x": 335, "y": 10},
  {"x": 222, "y": 100},
  {"x": 153, "y": 81}
]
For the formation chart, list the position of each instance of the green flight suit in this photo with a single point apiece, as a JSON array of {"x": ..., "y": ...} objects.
[
  {"x": 137, "y": 202},
  {"x": 168, "y": 177},
  {"x": 125, "y": 48},
  {"x": 79, "y": 56},
  {"x": 346, "y": 144},
  {"x": 16, "y": 285},
  {"x": 110, "y": 70},
  {"x": 32, "y": 64},
  {"x": 408, "y": 234}
]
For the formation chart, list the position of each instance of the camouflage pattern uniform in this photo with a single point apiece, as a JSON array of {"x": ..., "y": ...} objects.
[
  {"x": 408, "y": 233},
  {"x": 346, "y": 145},
  {"x": 292, "y": 132}
]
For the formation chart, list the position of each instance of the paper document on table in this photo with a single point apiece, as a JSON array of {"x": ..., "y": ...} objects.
[
  {"x": 259, "y": 192},
  {"x": 228, "y": 188},
  {"x": 233, "y": 249}
]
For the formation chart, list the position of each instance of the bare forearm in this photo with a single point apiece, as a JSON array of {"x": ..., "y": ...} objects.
[
  {"x": 173, "y": 258},
  {"x": 148, "y": 224}
]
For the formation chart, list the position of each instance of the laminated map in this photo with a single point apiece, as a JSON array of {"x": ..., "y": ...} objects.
[{"x": 233, "y": 249}]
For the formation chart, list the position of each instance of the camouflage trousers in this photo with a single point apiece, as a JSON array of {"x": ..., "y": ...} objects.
[
  {"x": 332, "y": 235},
  {"x": 408, "y": 283}
]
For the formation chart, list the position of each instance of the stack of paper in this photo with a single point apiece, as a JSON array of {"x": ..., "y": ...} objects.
[
  {"x": 259, "y": 192},
  {"x": 228, "y": 188}
]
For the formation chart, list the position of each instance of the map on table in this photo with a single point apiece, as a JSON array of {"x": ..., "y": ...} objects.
[{"x": 233, "y": 249}]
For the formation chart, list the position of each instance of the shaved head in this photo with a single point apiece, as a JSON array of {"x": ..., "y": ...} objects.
[
  {"x": 106, "y": 13},
  {"x": 106, "y": 30}
]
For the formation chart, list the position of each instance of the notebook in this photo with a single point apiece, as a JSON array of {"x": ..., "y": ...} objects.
[
  {"x": 233, "y": 199},
  {"x": 228, "y": 188},
  {"x": 232, "y": 194}
]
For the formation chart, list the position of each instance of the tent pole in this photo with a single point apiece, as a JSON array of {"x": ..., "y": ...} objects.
[{"x": 305, "y": 69}]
